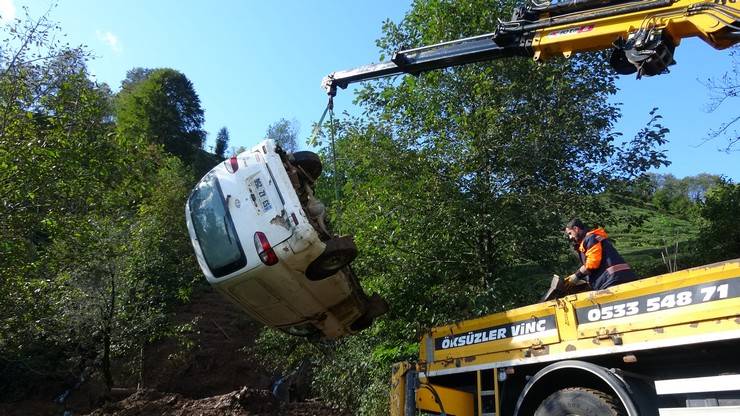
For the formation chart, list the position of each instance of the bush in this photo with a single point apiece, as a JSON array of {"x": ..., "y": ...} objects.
[{"x": 720, "y": 238}]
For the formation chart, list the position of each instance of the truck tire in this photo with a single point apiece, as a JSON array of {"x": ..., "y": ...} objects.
[
  {"x": 309, "y": 162},
  {"x": 579, "y": 401},
  {"x": 338, "y": 253}
]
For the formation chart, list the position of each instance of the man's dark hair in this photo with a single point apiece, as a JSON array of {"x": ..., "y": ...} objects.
[{"x": 575, "y": 222}]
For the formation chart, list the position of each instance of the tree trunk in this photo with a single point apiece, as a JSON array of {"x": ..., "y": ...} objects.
[
  {"x": 108, "y": 329},
  {"x": 106, "y": 360}
]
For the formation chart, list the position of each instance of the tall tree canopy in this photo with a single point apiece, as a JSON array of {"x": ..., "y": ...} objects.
[
  {"x": 222, "y": 142},
  {"x": 134, "y": 76},
  {"x": 91, "y": 255},
  {"x": 162, "y": 107},
  {"x": 285, "y": 133}
]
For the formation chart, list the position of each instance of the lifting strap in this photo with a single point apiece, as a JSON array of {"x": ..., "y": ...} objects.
[{"x": 330, "y": 109}]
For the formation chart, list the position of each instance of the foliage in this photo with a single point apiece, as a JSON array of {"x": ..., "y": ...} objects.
[
  {"x": 135, "y": 76},
  {"x": 119, "y": 274},
  {"x": 726, "y": 89},
  {"x": 285, "y": 133},
  {"x": 162, "y": 108},
  {"x": 54, "y": 128},
  {"x": 90, "y": 259},
  {"x": 721, "y": 237},
  {"x": 222, "y": 142},
  {"x": 91, "y": 272},
  {"x": 641, "y": 232},
  {"x": 455, "y": 185},
  {"x": 641, "y": 154},
  {"x": 680, "y": 196}
]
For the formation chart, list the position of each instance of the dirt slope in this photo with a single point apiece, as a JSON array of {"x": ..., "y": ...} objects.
[
  {"x": 245, "y": 402},
  {"x": 219, "y": 361},
  {"x": 217, "y": 375}
]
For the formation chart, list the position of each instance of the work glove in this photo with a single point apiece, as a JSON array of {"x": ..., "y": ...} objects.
[{"x": 572, "y": 281}]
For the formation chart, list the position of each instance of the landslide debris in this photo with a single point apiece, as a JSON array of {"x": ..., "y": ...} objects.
[
  {"x": 217, "y": 375},
  {"x": 245, "y": 402}
]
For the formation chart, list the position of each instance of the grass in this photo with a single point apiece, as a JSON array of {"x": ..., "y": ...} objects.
[
  {"x": 646, "y": 232},
  {"x": 640, "y": 233}
]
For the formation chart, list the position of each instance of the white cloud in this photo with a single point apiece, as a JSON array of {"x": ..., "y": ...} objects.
[
  {"x": 7, "y": 11},
  {"x": 110, "y": 39}
]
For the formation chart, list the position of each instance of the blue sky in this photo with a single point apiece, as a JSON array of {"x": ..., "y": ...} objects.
[{"x": 254, "y": 62}]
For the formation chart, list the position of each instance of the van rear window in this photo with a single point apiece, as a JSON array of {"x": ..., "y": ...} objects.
[{"x": 214, "y": 228}]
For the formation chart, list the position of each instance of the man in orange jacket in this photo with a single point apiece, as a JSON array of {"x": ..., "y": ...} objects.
[{"x": 602, "y": 266}]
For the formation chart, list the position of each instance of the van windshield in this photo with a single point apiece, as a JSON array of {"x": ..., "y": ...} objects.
[{"x": 214, "y": 228}]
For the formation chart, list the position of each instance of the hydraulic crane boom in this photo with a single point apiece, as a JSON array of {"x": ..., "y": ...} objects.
[{"x": 642, "y": 35}]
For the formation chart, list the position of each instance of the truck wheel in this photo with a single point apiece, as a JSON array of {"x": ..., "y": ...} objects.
[
  {"x": 338, "y": 253},
  {"x": 579, "y": 401},
  {"x": 309, "y": 162}
]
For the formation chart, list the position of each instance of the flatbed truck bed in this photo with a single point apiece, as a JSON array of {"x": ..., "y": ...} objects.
[{"x": 677, "y": 326}]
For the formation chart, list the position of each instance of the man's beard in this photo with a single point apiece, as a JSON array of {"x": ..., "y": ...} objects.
[{"x": 574, "y": 242}]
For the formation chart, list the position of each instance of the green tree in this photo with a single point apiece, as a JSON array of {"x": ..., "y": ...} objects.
[
  {"x": 456, "y": 185},
  {"x": 699, "y": 185},
  {"x": 91, "y": 220},
  {"x": 164, "y": 109},
  {"x": 60, "y": 166},
  {"x": 285, "y": 133},
  {"x": 134, "y": 76},
  {"x": 681, "y": 196},
  {"x": 222, "y": 142},
  {"x": 121, "y": 275},
  {"x": 92, "y": 265},
  {"x": 726, "y": 89},
  {"x": 720, "y": 237}
]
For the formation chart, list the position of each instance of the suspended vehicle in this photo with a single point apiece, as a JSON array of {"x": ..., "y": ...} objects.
[{"x": 261, "y": 239}]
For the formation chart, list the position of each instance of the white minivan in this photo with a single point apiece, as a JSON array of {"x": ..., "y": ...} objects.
[{"x": 260, "y": 238}]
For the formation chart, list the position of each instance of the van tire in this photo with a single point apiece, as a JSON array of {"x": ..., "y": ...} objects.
[
  {"x": 363, "y": 322},
  {"x": 579, "y": 401},
  {"x": 338, "y": 253},
  {"x": 376, "y": 306},
  {"x": 309, "y": 162}
]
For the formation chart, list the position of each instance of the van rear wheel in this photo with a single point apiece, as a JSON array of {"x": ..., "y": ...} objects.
[
  {"x": 309, "y": 162},
  {"x": 579, "y": 401},
  {"x": 338, "y": 253},
  {"x": 376, "y": 306}
]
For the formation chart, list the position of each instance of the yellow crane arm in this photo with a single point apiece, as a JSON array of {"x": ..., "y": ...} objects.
[{"x": 641, "y": 34}]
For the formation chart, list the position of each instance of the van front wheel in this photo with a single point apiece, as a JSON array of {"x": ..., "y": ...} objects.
[{"x": 338, "y": 253}]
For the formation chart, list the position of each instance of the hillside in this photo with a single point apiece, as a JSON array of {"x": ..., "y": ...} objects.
[
  {"x": 645, "y": 232},
  {"x": 215, "y": 374}
]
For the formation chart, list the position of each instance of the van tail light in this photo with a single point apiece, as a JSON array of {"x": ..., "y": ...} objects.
[
  {"x": 232, "y": 165},
  {"x": 264, "y": 249}
]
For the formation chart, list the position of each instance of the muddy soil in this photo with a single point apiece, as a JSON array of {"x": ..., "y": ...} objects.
[
  {"x": 245, "y": 402},
  {"x": 216, "y": 375}
]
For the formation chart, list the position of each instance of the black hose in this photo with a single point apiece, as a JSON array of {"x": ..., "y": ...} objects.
[{"x": 580, "y": 17}]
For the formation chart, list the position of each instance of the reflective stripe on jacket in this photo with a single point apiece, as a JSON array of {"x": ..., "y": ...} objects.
[{"x": 606, "y": 267}]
